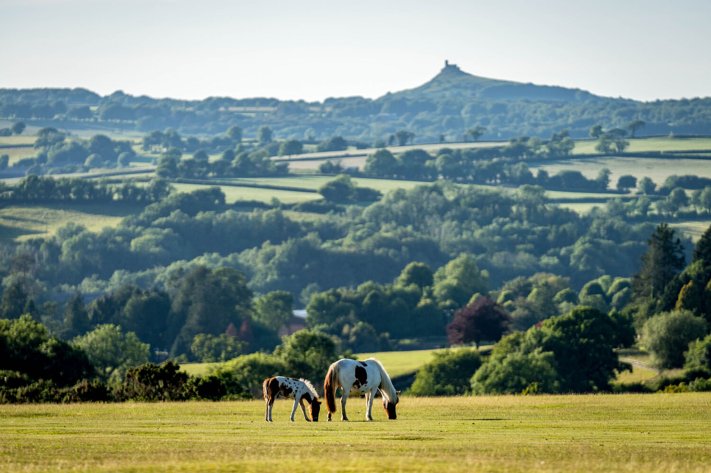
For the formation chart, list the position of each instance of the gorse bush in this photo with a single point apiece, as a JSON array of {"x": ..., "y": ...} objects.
[
  {"x": 448, "y": 374},
  {"x": 667, "y": 336}
]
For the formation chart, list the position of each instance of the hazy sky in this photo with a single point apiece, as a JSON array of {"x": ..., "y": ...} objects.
[{"x": 312, "y": 49}]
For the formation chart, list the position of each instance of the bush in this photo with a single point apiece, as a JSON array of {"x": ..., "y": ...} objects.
[
  {"x": 698, "y": 358},
  {"x": 243, "y": 376},
  {"x": 308, "y": 354},
  {"x": 667, "y": 336},
  {"x": 151, "y": 382},
  {"x": 516, "y": 373},
  {"x": 448, "y": 374}
]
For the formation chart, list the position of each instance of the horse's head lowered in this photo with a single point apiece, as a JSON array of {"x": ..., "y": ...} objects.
[{"x": 389, "y": 405}]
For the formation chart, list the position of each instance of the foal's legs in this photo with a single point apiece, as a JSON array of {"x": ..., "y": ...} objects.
[
  {"x": 270, "y": 403},
  {"x": 293, "y": 409},
  {"x": 303, "y": 409}
]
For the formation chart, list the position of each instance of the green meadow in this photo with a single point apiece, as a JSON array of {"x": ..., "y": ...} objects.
[
  {"x": 20, "y": 222},
  {"x": 576, "y": 433},
  {"x": 657, "y": 143}
]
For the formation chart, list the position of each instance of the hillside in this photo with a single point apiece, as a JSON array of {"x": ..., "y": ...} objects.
[
  {"x": 453, "y": 83},
  {"x": 443, "y": 108}
]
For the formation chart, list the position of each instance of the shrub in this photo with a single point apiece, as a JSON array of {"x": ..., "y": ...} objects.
[
  {"x": 243, "y": 376},
  {"x": 698, "y": 358},
  {"x": 448, "y": 374},
  {"x": 667, "y": 336},
  {"x": 517, "y": 372},
  {"x": 151, "y": 382}
]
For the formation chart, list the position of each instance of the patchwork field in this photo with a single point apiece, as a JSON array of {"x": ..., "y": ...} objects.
[
  {"x": 657, "y": 143},
  {"x": 656, "y": 169},
  {"x": 591, "y": 433},
  {"x": 20, "y": 222}
]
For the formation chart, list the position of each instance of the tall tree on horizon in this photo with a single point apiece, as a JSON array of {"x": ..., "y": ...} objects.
[{"x": 663, "y": 260}]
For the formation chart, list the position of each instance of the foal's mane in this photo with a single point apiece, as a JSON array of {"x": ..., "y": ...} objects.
[
  {"x": 386, "y": 383},
  {"x": 310, "y": 387}
]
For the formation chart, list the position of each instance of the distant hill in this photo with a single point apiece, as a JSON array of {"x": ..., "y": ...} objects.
[
  {"x": 445, "y": 107},
  {"x": 453, "y": 83}
]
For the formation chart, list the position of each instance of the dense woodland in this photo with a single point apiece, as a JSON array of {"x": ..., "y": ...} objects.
[{"x": 474, "y": 254}]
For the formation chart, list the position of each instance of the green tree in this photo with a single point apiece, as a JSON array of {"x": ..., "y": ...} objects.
[
  {"x": 698, "y": 357},
  {"x": 416, "y": 273},
  {"x": 626, "y": 182},
  {"x": 447, "y": 374},
  {"x": 662, "y": 261},
  {"x": 404, "y": 137},
  {"x": 243, "y": 376},
  {"x": 308, "y": 354},
  {"x": 265, "y": 135},
  {"x": 382, "y": 163},
  {"x": 702, "y": 250},
  {"x": 457, "y": 281},
  {"x": 76, "y": 318},
  {"x": 26, "y": 346},
  {"x": 111, "y": 351},
  {"x": 635, "y": 126},
  {"x": 667, "y": 336},
  {"x": 211, "y": 348},
  {"x": 14, "y": 299},
  {"x": 475, "y": 133},
  {"x": 18, "y": 128},
  {"x": 516, "y": 373},
  {"x": 646, "y": 186},
  {"x": 274, "y": 309},
  {"x": 595, "y": 131},
  {"x": 235, "y": 134},
  {"x": 340, "y": 190},
  {"x": 208, "y": 301},
  {"x": 582, "y": 342},
  {"x": 290, "y": 147}
]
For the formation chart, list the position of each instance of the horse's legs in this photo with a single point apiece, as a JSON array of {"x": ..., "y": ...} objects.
[
  {"x": 293, "y": 409},
  {"x": 369, "y": 404},
  {"x": 344, "y": 398},
  {"x": 303, "y": 409}
]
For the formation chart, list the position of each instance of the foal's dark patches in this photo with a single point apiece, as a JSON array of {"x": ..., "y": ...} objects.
[
  {"x": 286, "y": 390},
  {"x": 361, "y": 377},
  {"x": 307, "y": 397},
  {"x": 363, "y": 363}
]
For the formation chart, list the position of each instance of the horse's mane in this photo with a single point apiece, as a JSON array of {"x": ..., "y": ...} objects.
[
  {"x": 310, "y": 387},
  {"x": 387, "y": 384}
]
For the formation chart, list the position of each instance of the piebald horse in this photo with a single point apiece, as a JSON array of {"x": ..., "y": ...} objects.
[
  {"x": 366, "y": 377},
  {"x": 300, "y": 389}
]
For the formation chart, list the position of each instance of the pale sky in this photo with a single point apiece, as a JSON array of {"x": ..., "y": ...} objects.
[{"x": 314, "y": 49}]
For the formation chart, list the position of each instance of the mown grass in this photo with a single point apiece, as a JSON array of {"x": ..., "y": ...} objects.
[{"x": 592, "y": 433}]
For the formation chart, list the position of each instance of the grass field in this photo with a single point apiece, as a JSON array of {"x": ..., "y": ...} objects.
[
  {"x": 591, "y": 433},
  {"x": 656, "y": 169},
  {"x": 234, "y": 193},
  {"x": 19, "y": 222},
  {"x": 693, "y": 229},
  {"x": 656, "y": 143}
]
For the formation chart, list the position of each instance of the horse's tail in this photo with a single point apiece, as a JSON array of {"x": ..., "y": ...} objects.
[{"x": 329, "y": 388}]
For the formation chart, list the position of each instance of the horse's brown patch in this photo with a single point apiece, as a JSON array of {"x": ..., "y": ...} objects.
[
  {"x": 361, "y": 377},
  {"x": 273, "y": 384}
]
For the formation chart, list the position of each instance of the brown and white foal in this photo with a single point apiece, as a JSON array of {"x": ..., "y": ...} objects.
[{"x": 299, "y": 389}]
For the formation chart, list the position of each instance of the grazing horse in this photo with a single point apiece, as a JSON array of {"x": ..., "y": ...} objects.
[
  {"x": 367, "y": 377},
  {"x": 300, "y": 389}
]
